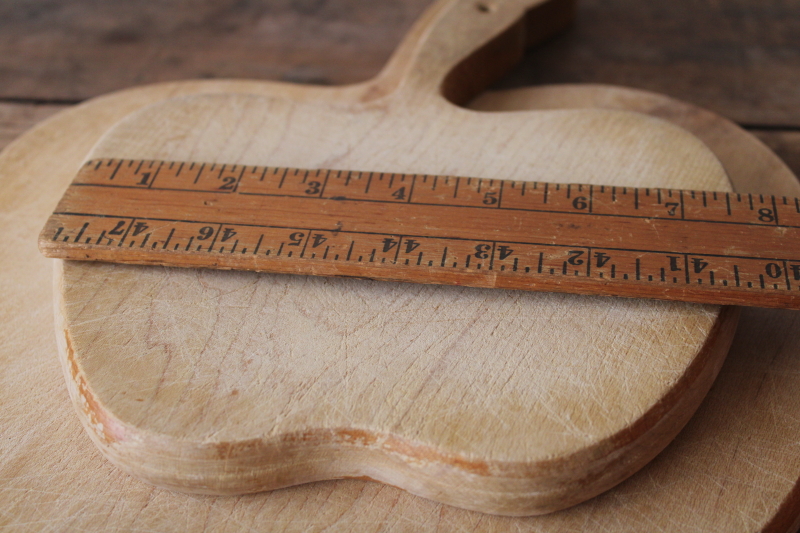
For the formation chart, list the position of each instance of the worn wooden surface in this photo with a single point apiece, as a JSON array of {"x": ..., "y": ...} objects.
[{"x": 70, "y": 497}]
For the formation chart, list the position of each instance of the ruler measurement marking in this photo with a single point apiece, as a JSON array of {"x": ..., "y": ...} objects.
[
  {"x": 283, "y": 178},
  {"x": 411, "y": 190},
  {"x": 80, "y": 233},
  {"x": 153, "y": 179},
  {"x": 239, "y": 179},
  {"x": 124, "y": 235},
  {"x": 397, "y": 251},
  {"x": 325, "y": 183},
  {"x": 169, "y": 237},
  {"x": 369, "y": 182},
  {"x": 199, "y": 173},
  {"x": 589, "y": 263},
  {"x": 305, "y": 244},
  {"x": 115, "y": 171},
  {"x": 686, "y": 267},
  {"x": 774, "y": 210},
  {"x": 500, "y": 196},
  {"x": 786, "y": 274}
]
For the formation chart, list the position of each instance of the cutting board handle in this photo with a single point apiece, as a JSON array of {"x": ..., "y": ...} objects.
[{"x": 458, "y": 47}]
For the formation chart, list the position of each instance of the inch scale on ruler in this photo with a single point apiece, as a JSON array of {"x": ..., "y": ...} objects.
[{"x": 709, "y": 247}]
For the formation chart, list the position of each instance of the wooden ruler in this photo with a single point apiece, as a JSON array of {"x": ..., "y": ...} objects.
[{"x": 696, "y": 246}]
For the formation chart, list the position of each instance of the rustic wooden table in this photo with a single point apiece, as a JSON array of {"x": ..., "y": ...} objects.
[{"x": 740, "y": 59}]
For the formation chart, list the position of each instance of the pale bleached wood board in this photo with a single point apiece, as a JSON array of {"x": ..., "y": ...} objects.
[
  {"x": 733, "y": 468},
  {"x": 505, "y": 402}
]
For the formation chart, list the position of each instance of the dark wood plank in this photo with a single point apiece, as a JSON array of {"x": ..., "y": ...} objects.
[
  {"x": 784, "y": 143},
  {"x": 69, "y": 51},
  {"x": 740, "y": 58}
]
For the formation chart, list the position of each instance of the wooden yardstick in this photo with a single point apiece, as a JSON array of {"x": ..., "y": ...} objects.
[{"x": 695, "y": 246}]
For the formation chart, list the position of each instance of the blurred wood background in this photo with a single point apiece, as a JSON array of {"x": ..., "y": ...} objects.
[{"x": 739, "y": 58}]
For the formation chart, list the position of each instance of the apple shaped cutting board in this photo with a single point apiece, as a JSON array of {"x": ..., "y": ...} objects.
[{"x": 498, "y": 401}]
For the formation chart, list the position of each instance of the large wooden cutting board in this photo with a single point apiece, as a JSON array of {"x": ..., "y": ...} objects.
[
  {"x": 410, "y": 508},
  {"x": 734, "y": 467}
]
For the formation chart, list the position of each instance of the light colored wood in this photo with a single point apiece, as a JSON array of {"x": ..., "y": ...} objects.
[
  {"x": 733, "y": 468},
  {"x": 502, "y": 402}
]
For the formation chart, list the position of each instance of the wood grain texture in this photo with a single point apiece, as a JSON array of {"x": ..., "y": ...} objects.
[
  {"x": 733, "y": 467},
  {"x": 55, "y": 51},
  {"x": 739, "y": 58},
  {"x": 497, "y": 401}
]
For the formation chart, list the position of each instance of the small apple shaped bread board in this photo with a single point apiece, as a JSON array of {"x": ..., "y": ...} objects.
[{"x": 504, "y": 402}]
